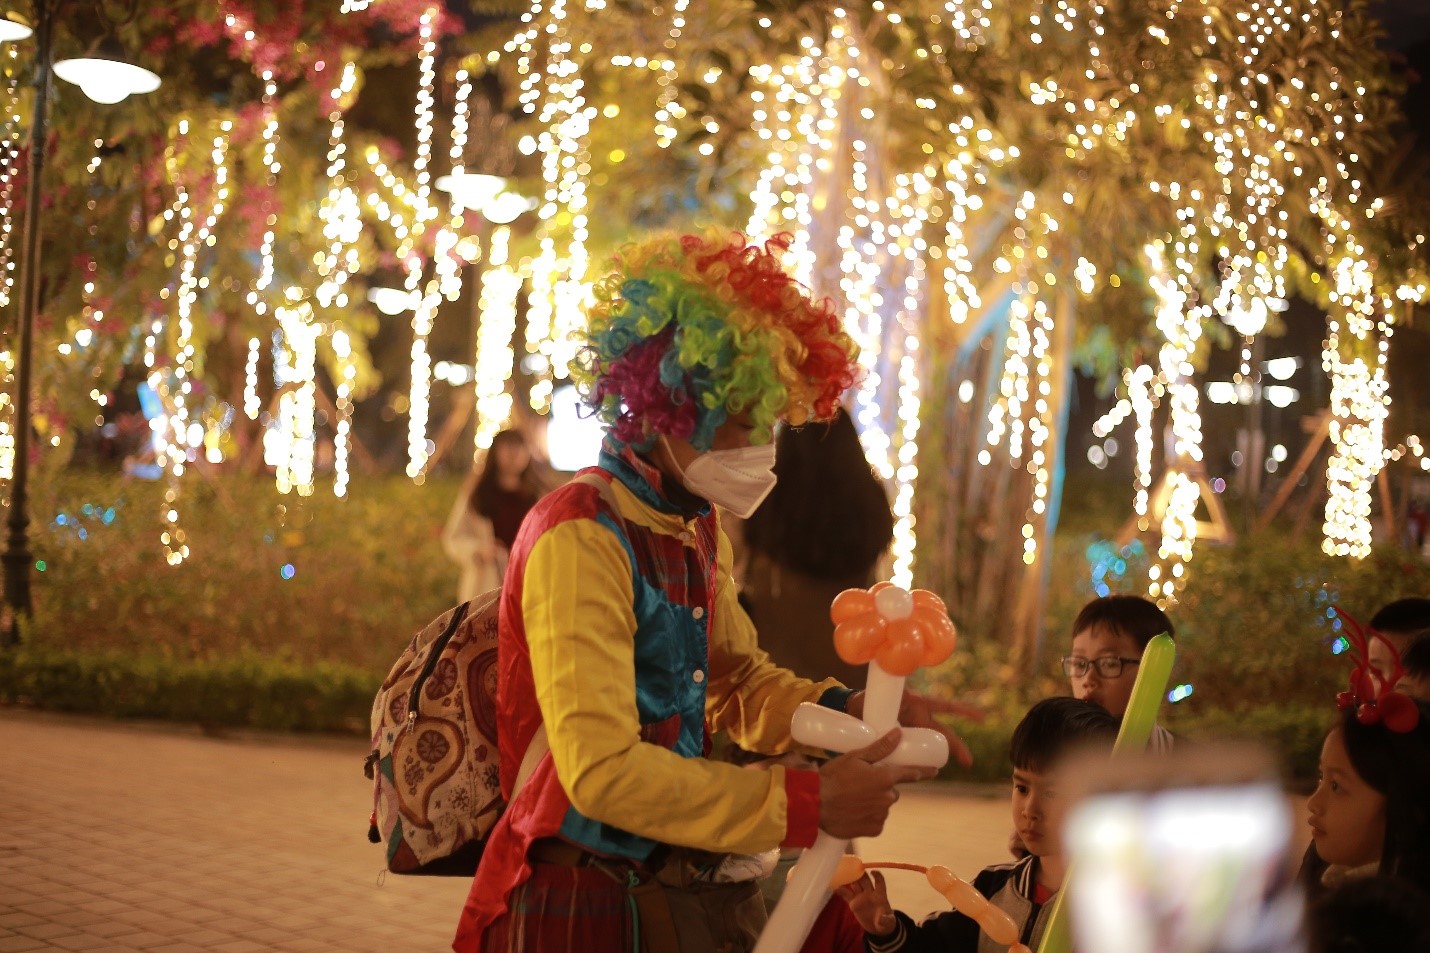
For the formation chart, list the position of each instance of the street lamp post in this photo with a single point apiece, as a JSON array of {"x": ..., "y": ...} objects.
[
  {"x": 16, "y": 557},
  {"x": 97, "y": 76}
]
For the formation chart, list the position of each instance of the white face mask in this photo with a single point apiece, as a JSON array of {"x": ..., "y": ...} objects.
[{"x": 739, "y": 480}]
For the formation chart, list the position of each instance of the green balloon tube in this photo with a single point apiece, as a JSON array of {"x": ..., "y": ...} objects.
[{"x": 1147, "y": 693}]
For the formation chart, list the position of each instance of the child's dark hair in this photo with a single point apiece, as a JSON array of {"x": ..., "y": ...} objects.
[
  {"x": 1057, "y": 727},
  {"x": 1138, "y": 618},
  {"x": 1416, "y": 658},
  {"x": 1397, "y": 764},
  {"x": 1403, "y": 617}
]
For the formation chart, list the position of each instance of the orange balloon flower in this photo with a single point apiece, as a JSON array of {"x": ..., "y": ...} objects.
[{"x": 901, "y": 630}]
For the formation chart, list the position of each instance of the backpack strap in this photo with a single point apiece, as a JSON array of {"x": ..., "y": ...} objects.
[
  {"x": 603, "y": 487},
  {"x": 539, "y": 746},
  {"x": 534, "y": 753}
]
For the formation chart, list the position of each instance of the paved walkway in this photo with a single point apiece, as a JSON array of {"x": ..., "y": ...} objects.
[{"x": 120, "y": 838}]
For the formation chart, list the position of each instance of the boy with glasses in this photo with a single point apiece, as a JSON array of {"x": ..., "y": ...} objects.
[{"x": 1109, "y": 636}]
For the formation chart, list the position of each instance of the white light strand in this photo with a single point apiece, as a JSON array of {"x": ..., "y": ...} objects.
[
  {"x": 342, "y": 439},
  {"x": 272, "y": 167},
  {"x": 559, "y": 289},
  {"x": 1142, "y": 398},
  {"x": 1357, "y": 340},
  {"x": 426, "y": 102},
  {"x": 493, "y": 361},
  {"x": 290, "y": 445},
  {"x": 178, "y": 441},
  {"x": 1179, "y": 321},
  {"x": 423, "y": 315},
  {"x": 668, "y": 108},
  {"x": 861, "y": 245},
  {"x": 340, "y": 211},
  {"x": 1023, "y": 350},
  {"x": 1111, "y": 420},
  {"x": 805, "y": 96},
  {"x": 908, "y": 211},
  {"x": 251, "y": 403},
  {"x": 958, "y": 283},
  {"x": 9, "y": 172}
]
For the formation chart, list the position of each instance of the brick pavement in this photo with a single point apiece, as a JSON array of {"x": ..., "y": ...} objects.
[{"x": 121, "y": 838}]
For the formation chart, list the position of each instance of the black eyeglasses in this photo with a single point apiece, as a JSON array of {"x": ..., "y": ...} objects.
[{"x": 1108, "y": 666}]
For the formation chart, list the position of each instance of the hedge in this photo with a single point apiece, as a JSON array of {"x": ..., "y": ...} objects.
[{"x": 247, "y": 691}]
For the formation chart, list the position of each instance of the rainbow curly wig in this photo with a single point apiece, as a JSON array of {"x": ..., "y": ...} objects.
[{"x": 692, "y": 329}]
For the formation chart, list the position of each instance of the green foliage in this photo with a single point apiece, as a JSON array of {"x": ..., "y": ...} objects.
[
  {"x": 367, "y": 572},
  {"x": 249, "y": 691}
]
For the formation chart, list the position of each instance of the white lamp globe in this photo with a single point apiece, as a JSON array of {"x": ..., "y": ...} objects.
[
  {"x": 105, "y": 79},
  {"x": 11, "y": 31},
  {"x": 506, "y": 208},
  {"x": 471, "y": 190}
]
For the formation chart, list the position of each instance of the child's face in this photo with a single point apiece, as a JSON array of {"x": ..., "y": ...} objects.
[
  {"x": 1347, "y": 815},
  {"x": 1105, "y": 642},
  {"x": 1038, "y": 809}
]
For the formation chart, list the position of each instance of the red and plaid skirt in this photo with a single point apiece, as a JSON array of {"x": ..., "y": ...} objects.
[{"x": 564, "y": 910}]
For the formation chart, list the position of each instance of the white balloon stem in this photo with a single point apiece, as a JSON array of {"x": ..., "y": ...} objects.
[
  {"x": 804, "y": 897},
  {"x": 808, "y": 889},
  {"x": 883, "y": 695}
]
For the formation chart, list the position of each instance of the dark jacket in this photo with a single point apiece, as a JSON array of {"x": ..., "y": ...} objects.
[{"x": 1009, "y": 887}]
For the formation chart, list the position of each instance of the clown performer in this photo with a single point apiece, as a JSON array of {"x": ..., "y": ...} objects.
[{"x": 622, "y": 645}]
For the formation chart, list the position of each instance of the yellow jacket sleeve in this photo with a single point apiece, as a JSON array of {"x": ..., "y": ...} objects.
[
  {"x": 749, "y": 696},
  {"x": 577, "y": 609}
]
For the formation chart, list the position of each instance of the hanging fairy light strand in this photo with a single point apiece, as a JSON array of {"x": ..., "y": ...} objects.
[
  {"x": 9, "y": 172},
  {"x": 342, "y": 439},
  {"x": 290, "y": 448},
  {"x": 860, "y": 239},
  {"x": 907, "y": 210},
  {"x": 180, "y": 435},
  {"x": 1178, "y": 320},
  {"x": 271, "y": 167},
  {"x": 494, "y": 360},
  {"x": 668, "y": 108},
  {"x": 559, "y": 291}
]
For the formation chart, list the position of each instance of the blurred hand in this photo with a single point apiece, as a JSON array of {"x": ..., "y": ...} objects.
[
  {"x": 855, "y": 792},
  {"x": 920, "y": 711},
  {"x": 869, "y": 902}
]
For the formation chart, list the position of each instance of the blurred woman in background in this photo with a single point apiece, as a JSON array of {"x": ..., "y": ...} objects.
[{"x": 488, "y": 513}]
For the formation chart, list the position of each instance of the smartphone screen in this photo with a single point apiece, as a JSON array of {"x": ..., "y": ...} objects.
[{"x": 1196, "y": 869}]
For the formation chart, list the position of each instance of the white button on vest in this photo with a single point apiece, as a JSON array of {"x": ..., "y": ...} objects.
[
  {"x": 698, "y": 677},
  {"x": 686, "y": 537},
  {"x": 698, "y": 612}
]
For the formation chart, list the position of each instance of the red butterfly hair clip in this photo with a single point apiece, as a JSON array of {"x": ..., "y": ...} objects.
[{"x": 1375, "y": 697}]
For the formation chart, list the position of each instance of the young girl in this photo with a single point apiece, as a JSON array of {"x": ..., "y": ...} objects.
[
  {"x": 487, "y": 514},
  {"x": 1370, "y": 812}
]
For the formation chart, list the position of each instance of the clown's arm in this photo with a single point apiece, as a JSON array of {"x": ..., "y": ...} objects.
[{"x": 582, "y": 643}]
